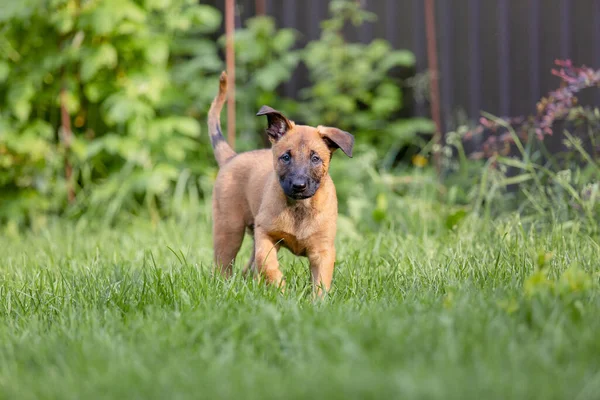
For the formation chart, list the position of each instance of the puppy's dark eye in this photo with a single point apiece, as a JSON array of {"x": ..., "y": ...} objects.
[
  {"x": 315, "y": 159},
  {"x": 286, "y": 158}
]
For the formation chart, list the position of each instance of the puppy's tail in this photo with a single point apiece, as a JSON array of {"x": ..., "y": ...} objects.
[{"x": 223, "y": 152}]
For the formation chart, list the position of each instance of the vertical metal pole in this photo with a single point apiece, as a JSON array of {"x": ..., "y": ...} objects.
[
  {"x": 447, "y": 15},
  {"x": 433, "y": 75},
  {"x": 261, "y": 7},
  {"x": 419, "y": 44},
  {"x": 230, "y": 58}
]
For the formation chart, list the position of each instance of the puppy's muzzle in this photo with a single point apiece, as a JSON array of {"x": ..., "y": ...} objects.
[{"x": 299, "y": 185}]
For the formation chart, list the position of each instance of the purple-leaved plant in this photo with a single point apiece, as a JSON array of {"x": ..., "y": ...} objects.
[{"x": 556, "y": 106}]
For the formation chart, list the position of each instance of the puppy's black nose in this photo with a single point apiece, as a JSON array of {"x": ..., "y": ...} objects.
[{"x": 299, "y": 185}]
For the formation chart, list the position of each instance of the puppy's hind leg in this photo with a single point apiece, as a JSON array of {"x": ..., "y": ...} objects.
[
  {"x": 249, "y": 268},
  {"x": 227, "y": 240}
]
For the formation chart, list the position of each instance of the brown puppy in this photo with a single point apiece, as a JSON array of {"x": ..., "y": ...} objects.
[{"x": 283, "y": 196}]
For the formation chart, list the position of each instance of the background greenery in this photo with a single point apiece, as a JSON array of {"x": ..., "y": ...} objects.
[
  {"x": 478, "y": 280},
  {"x": 136, "y": 79}
]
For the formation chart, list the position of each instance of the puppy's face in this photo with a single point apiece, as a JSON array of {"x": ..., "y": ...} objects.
[
  {"x": 301, "y": 154},
  {"x": 301, "y": 160}
]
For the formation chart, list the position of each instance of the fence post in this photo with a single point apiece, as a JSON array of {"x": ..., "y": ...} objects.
[
  {"x": 230, "y": 59},
  {"x": 433, "y": 77},
  {"x": 260, "y": 7}
]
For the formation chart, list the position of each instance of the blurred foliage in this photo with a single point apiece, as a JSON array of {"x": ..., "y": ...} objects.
[
  {"x": 135, "y": 79},
  {"x": 264, "y": 59},
  {"x": 352, "y": 87},
  {"x": 543, "y": 164},
  {"x": 133, "y": 76}
]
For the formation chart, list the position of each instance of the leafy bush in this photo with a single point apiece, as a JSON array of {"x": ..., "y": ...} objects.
[
  {"x": 562, "y": 182},
  {"x": 102, "y": 103},
  {"x": 264, "y": 59},
  {"x": 352, "y": 85},
  {"x": 129, "y": 76},
  {"x": 558, "y": 106}
]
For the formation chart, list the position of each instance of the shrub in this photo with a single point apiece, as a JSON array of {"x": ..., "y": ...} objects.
[
  {"x": 352, "y": 87},
  {"x": 127, "y": 76},
  {"x": 264, "y": 59},
  {"x": 102, "y": 103},
  {"x": 562, "y": 182}
]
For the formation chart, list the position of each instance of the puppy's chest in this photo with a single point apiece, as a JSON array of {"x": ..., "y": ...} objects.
[{"x": 295, "y": 228}]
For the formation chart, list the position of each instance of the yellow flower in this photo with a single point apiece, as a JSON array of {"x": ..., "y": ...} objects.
[{"x": 419, "y": 161}]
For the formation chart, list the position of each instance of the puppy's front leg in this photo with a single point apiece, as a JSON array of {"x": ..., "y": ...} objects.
[
  {"x": 322, "y": 262},
  {"x": 266, "y": 257}
]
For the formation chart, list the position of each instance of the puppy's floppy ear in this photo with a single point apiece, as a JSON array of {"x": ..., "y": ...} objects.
[
  {"x": 278, "y": 124},
  {"x": 337, "y": 138}
]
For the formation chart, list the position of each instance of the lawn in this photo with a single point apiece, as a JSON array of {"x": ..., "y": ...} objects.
[{"x": 495, "y": 308}]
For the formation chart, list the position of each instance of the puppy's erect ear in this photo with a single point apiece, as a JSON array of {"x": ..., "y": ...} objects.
[
  {"x": 337, "y": 139},
  {"x": 278, "y": 124}
]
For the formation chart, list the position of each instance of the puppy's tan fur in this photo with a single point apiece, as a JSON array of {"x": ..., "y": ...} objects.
[{"x": 248, "y": 195}]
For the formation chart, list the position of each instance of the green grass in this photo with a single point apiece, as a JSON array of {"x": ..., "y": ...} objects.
[{"x": 417, "y": 311}]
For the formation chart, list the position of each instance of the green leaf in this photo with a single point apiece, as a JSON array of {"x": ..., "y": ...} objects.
[
  {"x": 169, "y": 126},
  {"x": 174, "y": 152},
  {"x": 271, "y": 76},
  {"x": 575, "y": 280},
  {"x": 205, "y": 18},
  {"x": 99, "y": 18},
  {"x": 387, "y": 100},
  {"x": 71, "y": 101},
  {"x": 19, "y": 99},
  {"x": 41, "y": 129},
  {"x": 516, "y": 179},
  {"x": 284, "y": 40},
  {"x": 261, "y": 26},
  {"x": 513, "y": 162},
  {"x": 455, "y": 218},
  {"x": 158, "y": 4},
  {"x": 398, "y": 58},
  {"x": 120, "y": 108},
  {"x": 129, "y": 10},
  {"x": 63, "y": 20},
  {"x": 380, "y": 212},
  {"x": 106, "y": 16},
  {"x": 105, "y": 56},
  {"x": 4, "y": 71},
  {"x": 157, "y": 51},
  {"x": 31, "y": 145},
  {"x": 377, "y": 49},
  {"x": 537, "y": 284},
  {"x": 94, "y": 91},
  {"x": 408, "y": 128},
  {"x": 148, "y": 84},
  {"x": 187, "y": 126},
  {"x": 18, "y": 10}
]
